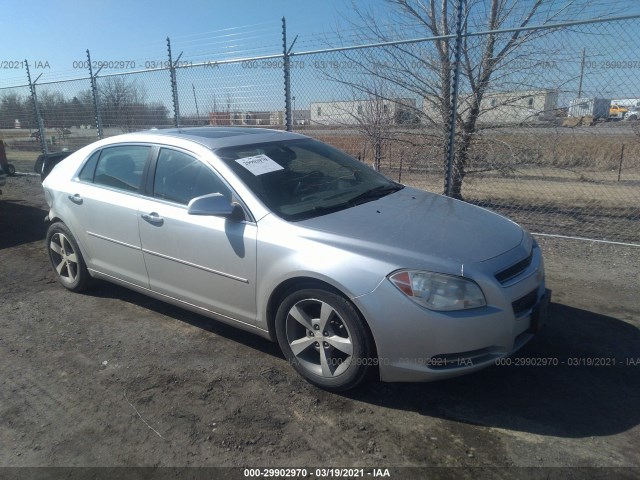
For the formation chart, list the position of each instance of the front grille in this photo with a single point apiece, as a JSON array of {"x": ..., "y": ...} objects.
[
  {"x": 514, "y": 270},
  {"x": 524, "y": 304}
]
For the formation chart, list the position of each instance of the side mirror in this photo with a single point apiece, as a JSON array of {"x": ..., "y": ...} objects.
[{"x": 217, "y": 205}]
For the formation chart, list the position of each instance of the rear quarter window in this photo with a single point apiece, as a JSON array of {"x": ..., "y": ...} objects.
[
  {"x": 87, "y": 172},
  {"x": 121, "y": 167}
]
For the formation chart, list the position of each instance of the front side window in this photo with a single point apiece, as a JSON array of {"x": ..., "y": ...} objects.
[
  {"x": 179, "y": 178},
  {"x": 119, "y": 167}
]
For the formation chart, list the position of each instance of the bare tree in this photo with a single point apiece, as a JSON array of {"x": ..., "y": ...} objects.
[
  {"x": 374, "y": 121},
  {"x": 81, "y": 109},
  {"x": 14, "y": 106},
  {"x": 425, "y": 70},
  {"x": 370, "y": 114},
  {"x": 121, "y": 101}
]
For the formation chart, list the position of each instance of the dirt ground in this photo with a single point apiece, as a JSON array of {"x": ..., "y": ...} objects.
[{"x": 113, "y": 378}]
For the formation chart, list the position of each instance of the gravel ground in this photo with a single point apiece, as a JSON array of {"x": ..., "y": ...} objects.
[{"x": 113, "y": 378}]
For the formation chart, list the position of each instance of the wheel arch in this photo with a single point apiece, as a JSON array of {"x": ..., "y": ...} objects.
[
  {"x": 300, "y": 283},
  {"x": 83, "y": 250}
]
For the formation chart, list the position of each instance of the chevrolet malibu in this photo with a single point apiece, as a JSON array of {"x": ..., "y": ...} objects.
[{"x": 286, "y": 237}]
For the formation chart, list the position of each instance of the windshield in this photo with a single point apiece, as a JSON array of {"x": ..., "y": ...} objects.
[{"x": 300, "y": 179}]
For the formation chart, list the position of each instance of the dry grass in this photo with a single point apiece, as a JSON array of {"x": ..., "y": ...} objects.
[
  {"x": 538, "y": 191},
  {"x": 582, "y": 149},
  {"x": 585, "y": 149}
]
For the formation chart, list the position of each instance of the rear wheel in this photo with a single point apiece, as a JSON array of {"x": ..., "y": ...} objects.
[
  {"x": 66, "y": 259},
  {"x": 11, "y": 169},
  {"x": 322, "y": 335}
]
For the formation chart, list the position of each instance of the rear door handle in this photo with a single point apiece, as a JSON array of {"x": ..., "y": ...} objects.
[
  {"x": 153, "y": 218},
  {"x": 77, "y": 199}
]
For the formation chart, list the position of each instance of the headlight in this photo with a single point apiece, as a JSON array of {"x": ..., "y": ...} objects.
[{"x": 438, "y": 291}]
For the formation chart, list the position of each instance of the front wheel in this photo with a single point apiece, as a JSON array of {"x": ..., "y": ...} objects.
[
  {"x": 11, "y": 169},
  {"x": 322, "y": 335},
  {"x": 66, "y": 259}
]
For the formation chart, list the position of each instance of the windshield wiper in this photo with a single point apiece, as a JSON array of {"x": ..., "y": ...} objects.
[
  {"x": 369, "y": 195},
  {"x": 375, "y": 193},
  {"x": 319, "y": 211}
]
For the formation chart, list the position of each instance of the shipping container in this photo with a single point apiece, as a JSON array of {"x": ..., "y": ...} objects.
[{"x": 590, "y": 107}]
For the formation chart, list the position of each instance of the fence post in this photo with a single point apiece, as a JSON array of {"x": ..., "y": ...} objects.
[
  {"x": 453, "y": 118},
  {"x": 287, "y": 78},
  {"x": 621, "y": 160},
  {"x": 94, "y": 94},
  {"x": 36, "y": 110},
  {"x": 174, "y": 85}
]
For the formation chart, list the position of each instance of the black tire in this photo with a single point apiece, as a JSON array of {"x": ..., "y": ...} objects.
[
  {"x": 333, "y": 348},
  {"x": 11, "y": 169},
  {"x": 66, "y": 259}
]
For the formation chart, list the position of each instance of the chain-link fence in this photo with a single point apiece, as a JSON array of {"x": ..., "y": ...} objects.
[
  {"x": 553, "y": 141},
  {"x": 546, "y": 124}
]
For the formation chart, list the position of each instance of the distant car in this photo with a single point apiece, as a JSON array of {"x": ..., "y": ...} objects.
[
  {"x": 45, "y": 162},
  {"x": 633, "y": 114},
  {"x": 289, "y": 238}
]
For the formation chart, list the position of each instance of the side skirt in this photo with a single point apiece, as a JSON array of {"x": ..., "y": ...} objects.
[{"x": 181, "y": 303}]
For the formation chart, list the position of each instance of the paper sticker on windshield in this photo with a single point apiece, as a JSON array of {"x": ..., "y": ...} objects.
[{"x": 259, "y": 164}]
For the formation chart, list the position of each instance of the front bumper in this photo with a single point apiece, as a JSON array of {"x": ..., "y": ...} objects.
[{"x": 415, "y": 344}]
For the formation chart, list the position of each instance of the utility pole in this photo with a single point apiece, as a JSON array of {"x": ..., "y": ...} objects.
[{"x": 581, "y": 73}]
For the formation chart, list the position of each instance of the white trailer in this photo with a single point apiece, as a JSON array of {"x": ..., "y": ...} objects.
[{"x": 590, "y": 107}]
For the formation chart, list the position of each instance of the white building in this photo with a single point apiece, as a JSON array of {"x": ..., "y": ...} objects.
[
  {"x": 505, "y": 108},
  {"x": 395, "y": 111}
]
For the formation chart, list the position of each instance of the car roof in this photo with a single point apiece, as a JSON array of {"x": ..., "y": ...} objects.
[{"x": 219, "y": 137}]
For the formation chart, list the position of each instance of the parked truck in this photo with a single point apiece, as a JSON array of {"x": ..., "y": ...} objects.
[{"x": 617, "y": 112}]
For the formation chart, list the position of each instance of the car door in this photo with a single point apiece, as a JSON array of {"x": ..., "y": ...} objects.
[
  {"x": 206, "y": 261},
  {"x": 105, "y": 206}
]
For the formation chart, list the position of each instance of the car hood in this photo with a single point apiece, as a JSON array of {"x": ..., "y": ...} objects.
[{"x": 416, "y": 224}]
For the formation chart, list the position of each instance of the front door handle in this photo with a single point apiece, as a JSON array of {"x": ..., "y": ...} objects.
[
  {"x": 77, "y": 199},
  {"x": 153, "y": 218}
]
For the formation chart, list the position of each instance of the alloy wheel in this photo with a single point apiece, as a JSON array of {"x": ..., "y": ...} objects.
[
  {"x": 319, "y": 338},
  {"x": 64, "y": 258}
]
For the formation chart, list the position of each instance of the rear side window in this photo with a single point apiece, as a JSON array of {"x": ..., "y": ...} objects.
[
  {"x": 121, "y": 167},
  {"x": 179, "y": 177},
  {"x": 86, "y": 175}
]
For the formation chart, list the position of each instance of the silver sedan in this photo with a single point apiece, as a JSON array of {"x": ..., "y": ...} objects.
[{"x": 291, "y": 239}]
